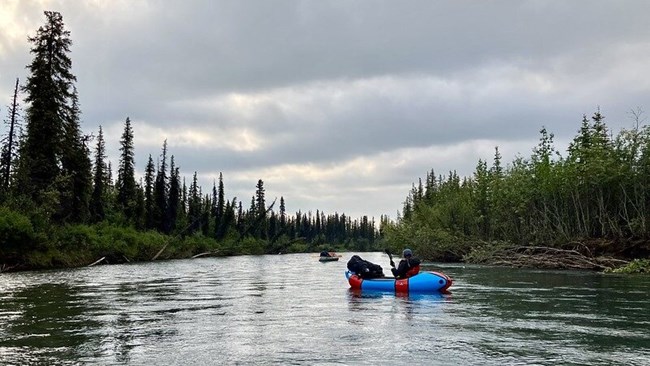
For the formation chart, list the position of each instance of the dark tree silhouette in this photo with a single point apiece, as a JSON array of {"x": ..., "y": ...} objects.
[
  {"x": 49, "y": 91},
  {"x": 97, "y": 200},
  {"x": 160, "y": 193},
  {"x": 54, "y": 168},
  {"x": 174, "y": 205},
  {"x": 9, "y": 150},
  {"x": 149, "y": 176},
  {"x": 126, "y": 186},
  {"x": 75, "y": 183}
]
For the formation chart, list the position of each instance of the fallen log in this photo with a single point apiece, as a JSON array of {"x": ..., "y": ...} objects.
[
  {"x": 5, "y": 267},
  {"x": 97, "y": 261},
  {"x": 160, "y": 252},
  {"x": 202, "y": 254}
]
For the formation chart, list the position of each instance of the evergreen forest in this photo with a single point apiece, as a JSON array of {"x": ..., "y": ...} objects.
[{"x": 61, "y": 206}]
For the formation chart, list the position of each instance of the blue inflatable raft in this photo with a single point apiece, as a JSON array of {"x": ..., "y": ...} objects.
[{"x": 420, "y": 283}]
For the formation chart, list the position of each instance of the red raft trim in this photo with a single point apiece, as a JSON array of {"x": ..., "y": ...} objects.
[
  {"x": 355, "y": 281},
  {"x": 402, "y": 285}
]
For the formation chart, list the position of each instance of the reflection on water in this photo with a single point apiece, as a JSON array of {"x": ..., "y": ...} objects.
[
  {"x": 49, "y": 319},
  {"x": 291, "y": 309},
  {"x": 402, "y": 303}
]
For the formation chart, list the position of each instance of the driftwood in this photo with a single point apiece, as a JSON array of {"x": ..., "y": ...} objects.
[
  {"x": 97, "y": 261},
  {"x": 160, "y": 251},
  {"x": 5, "y": 267},
  {"x": 203, "y": 254},
  {"x": 547, "y": 257}
]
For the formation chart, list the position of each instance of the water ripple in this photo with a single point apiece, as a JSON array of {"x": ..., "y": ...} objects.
[{"x": 291, "y": 309}]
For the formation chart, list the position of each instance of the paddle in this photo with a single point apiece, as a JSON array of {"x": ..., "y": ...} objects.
[{"x": 387, "y": 251}]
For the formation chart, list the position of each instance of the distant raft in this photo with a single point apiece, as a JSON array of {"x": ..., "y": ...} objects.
[
  {"x": 328, "y": 259},
  {"x": 326, "y": 256},
  {"x": 423, "y": 282}
]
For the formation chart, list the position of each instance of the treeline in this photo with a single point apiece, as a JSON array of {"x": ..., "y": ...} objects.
[
  {"x": 60, "y": 205},
  {"x": 594, "y": 201}
]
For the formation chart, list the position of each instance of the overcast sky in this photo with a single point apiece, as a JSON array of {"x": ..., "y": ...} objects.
[{"x": 340, "y": 106}]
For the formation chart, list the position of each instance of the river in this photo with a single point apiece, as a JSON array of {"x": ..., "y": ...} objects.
[{"x": 293, "y": 310}]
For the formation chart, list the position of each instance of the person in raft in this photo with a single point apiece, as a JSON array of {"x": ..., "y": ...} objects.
[{"x": 409, "y": 266}]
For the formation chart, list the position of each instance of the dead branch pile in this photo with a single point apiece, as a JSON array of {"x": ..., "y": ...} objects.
[
  {"x": 553, "y": 258},
  {"x": 6, "y": 267}
]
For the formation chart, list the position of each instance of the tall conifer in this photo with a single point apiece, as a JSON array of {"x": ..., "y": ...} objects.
[
  {"x": 160, "y": 193},
  {"x": 194, "y": 205},
  {"x": 50, "y": 101},
  {"x": 126, "y": 186},
  {"x": 97, "y": 202},
  {"x": 173, "y": 207},
  {"x": 149, "y": 177},
  {"x": 220, "y": 210},
  {"x": 9, "y": 144},
  {"x": 75, "y": 183}
]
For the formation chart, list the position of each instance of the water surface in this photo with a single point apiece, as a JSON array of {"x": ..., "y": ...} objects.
[{"x": 294, "y": 310}]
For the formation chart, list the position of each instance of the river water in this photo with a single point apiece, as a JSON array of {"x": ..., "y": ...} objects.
[{"x": 293, "y": 310}]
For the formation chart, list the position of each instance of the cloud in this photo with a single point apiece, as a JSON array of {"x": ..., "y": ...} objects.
[{"x": 341, "y": 106}]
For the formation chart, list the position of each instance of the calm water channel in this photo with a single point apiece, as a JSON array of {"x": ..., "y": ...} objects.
[{"x": 291, "y": 309}]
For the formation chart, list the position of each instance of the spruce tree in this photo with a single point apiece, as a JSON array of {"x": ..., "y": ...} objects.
[
  {"x": 241, "y": 220},
  {"x": 194, "y": 205},
  {"x": 139, "y": 209},
  {"x": 9, "y": 150},
  {"x": 173, "y": 207},
  {"x": 260, "y": 202},
  {"x": 126, "y": 186},
  {"x": 220, "y": 210},
  {"x": 160, "y": 193},
  {"x": 97, "y": 202},
  {"x": 213, "y": 208},
  {"x": 149, "y": 173},
  {"x": 283, "y": 216},
  {"x": 261, "y": 220},
  {"x": 228, "y": 221},
  {"x": 50, "y": 107},
  {"x": 205, "y": 215},
  {"x": 274, "y": 229},
  {"x": 75, "y": 182},
  {"x": 251, "y": 214},
  {"x": 182, "y": 206}
]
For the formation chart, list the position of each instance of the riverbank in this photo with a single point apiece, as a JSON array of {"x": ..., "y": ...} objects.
[
  {"x": 74, "y": 246},
  {"x": 595, "y": 255},
  {"x": 24, "y": 248}
]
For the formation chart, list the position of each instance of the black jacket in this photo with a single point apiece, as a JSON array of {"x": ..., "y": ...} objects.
[{"x": 404, "y": 266}]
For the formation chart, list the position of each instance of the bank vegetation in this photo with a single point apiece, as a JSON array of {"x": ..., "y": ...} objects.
[{"x": 586, "y": 209}]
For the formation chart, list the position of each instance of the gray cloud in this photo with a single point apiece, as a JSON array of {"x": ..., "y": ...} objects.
[{"x": 341, "y": 105}]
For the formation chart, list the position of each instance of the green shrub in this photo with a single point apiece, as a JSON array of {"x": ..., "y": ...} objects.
[
  {"x": 120, "y": 244},
  {"x": 43, "y": 258},
  {"x": 250, "y": 245},
  {"x": 16, "y": 233},
  {"x": 195, "y": 244},
  {"x": 298, "y": 246},
  {"x": 76, "y": 238},
  {"x": 636, "y": 266}
]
